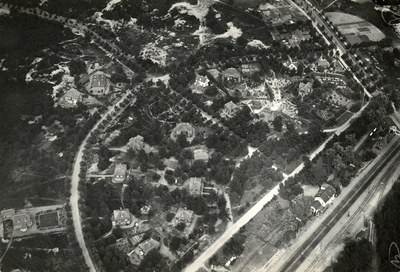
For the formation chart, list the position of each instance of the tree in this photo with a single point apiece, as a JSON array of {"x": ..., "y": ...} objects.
[
  {"x": 356, "y": 256},
  {"x": 278, "y": 124},
  {"x": 180, "y": 226}
]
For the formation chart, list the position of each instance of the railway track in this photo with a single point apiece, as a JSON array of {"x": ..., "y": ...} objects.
[
  {"x": 293, "y": 262},
  {"x": 371, "y": 192}
]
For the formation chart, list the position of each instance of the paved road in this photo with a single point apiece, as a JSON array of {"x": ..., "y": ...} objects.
[{"x": 74, "y": 189}]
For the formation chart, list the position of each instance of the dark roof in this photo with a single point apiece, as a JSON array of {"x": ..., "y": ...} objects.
[
  {"x": 326, "y": 194},
  {"x": 389, "y": 121}
]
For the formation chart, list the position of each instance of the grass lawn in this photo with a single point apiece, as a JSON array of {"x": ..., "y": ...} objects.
[{"x": 48, "y": 219}]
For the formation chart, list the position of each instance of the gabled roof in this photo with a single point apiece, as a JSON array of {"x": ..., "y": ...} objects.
[
  {"x": 195, "y": 185},
  {"x": 148, "y": 245},
  {"x": 122, "y": 214},
  {"x": 326, "y": 192},
  {"x": 73, "y": 93},
  {"x": 230, "y": 105}
]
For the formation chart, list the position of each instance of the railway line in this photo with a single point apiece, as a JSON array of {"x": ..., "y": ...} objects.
[
  {"x": 296, "y": 259},
  {"x": 387, "y": 175}
]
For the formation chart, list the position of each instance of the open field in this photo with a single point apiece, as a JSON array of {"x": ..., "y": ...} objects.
[
  {"x": 48, "y": 219},
  {"x": 365, "y": 11}
]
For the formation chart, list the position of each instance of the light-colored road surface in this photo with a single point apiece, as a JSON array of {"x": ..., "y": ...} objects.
[
  {"x": 74, "y": 188},
  {"x": 75, "y": 207}
]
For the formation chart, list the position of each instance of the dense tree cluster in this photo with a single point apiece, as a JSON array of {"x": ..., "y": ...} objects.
[
  {"x": 387, "y": 224},
  {"x": 77, "y": 67},
  {"x": 356, "y": 257}
]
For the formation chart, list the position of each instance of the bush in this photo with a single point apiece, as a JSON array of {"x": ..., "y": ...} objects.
[{"x": 170, "y": 216}]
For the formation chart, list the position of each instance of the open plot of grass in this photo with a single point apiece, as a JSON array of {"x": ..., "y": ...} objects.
[{"x": 48, "y": 219}]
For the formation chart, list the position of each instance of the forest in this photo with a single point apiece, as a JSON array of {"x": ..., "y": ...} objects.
[{"x": 387, "y": 223}]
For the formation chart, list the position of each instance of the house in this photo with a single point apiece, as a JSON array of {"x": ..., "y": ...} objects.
[
  {"x": 323, "y": 198},
  {"x": 231, "y": 108},
  {"x": 231, "y": 74},
  {"x": 185, "y": 129},
  {"x": 22, "y": 221},
  {"x": 305, "y": 88},
  {"x": 145, "y": 209},
  {"x": 99, "y": 83},
  {"x": 119, "y": 173},
  {"x": 137, "y": 255},
  {"x": 136, "y": 143},
  {"x": 195, "y": 186},
  {"x": 184, "y": 215},
  {"x": 84, "y": 80},
  {"x": 202, "y": 81},
  {"x": 122, "y": 217},
  {"x": 322, "y": 63},
  {"x": 201, "y": 155},
  {"x": 72, "y": 97},
  {"x": 250, "y": 68}
]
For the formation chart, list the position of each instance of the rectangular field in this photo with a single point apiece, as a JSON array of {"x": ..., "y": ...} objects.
[{"x": 48, "y": 219}]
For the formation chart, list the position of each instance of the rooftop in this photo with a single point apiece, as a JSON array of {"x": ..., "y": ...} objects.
[
  {"x": 195, "y": 185},
  {"x": 99, "y": 79}
]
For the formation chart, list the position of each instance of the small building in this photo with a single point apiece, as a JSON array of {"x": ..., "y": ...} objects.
[
  {"x": 201, "y": 155},
  {"x": 322, "y": 63},
  {"x": 119, "y": 173},
  {"x": 231, "y": 74},
  {"x": 202, "y": 81},
  {"x": 84, "y": 79},
  {"x": 99, "y": 83},
  {"x": 72, "y": 97},
  {"x": 121, "y": 217},
  {"x": 136, "y": 143},
  {"x": 195, "y": 186},
  {"x": 305, "y": 88},
  {"x": 250, "y": 68},
  {"x": 184, "y": 215},
  {"x": 185, "y": 129},
  {"x": 231, "y": 108},
  {"x": 22, "y": 221},
  {"x": 145, "y": 209},
  {"x": 137, "y": 255},
  {"x": 323, "y": 198}
]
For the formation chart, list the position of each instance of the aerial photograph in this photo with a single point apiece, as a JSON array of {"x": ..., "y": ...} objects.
[{"x": 199, "y": 135}]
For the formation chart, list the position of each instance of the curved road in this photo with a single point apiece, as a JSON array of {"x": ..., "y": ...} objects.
[{"x": 74, "y": 187}]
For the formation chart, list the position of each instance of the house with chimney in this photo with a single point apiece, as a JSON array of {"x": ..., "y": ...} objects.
[
  {"x": 195, "y": 186},
  {"x": 122, "y": 217},
  {"x": 183, "y": 215},
  {"x": 323, "y": 198},
  {"x": 138, "y": 254},
  {"x": 99, "y": 83}
]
